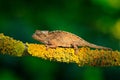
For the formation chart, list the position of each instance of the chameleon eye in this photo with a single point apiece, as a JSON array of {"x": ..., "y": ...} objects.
[
  {"x": 38, "y": 32},
  {"x": 44, "y": 32}
]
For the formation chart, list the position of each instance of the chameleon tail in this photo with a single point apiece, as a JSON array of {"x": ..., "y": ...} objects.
[{"x": 96, "y": 46}]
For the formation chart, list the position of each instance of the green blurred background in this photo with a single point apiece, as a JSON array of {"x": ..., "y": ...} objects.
[{"x": 97, "y": 21}]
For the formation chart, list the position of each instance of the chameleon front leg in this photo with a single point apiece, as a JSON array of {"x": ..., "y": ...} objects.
[{"x": 50, "y": 46}]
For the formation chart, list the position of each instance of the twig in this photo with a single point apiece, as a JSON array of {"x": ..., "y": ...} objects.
[{"x": 85, "y": 56}]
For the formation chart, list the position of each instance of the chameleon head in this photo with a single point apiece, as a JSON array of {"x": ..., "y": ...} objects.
[{"x": 40, "y": 35}]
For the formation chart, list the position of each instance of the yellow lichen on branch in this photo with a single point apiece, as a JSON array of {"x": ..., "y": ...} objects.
[
  {"x": 10, "y": 46},
  {"x": 85, "y": 56}
]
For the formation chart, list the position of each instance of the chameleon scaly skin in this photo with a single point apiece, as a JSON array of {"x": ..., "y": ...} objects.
[{"x": 58, "y": 38}]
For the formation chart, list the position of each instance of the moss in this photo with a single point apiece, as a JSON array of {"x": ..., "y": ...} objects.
[{"x": 10, "y": 46}]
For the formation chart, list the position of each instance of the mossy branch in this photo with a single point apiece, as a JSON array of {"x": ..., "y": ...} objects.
[{"x": 86, "y": 56}]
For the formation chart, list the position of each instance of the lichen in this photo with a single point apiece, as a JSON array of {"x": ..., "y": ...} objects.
[
  {"x": 10, "y": 46},
  {"x": 86, "y": 56}
]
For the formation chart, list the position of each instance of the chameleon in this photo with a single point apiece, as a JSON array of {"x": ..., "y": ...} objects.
[{"x": 58, "y": 38}]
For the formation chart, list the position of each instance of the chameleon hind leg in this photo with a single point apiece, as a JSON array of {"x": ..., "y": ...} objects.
[{"x": 76, "y": 50}]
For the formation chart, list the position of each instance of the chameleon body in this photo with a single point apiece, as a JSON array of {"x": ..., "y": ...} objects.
[{"x": 53, "y": 39}]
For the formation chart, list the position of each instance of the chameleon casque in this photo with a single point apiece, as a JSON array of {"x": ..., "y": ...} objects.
[{"x": 57, "y": 38}]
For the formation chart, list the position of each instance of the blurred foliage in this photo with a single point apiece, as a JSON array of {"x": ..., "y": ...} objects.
[{"x": 97, "y": 21}]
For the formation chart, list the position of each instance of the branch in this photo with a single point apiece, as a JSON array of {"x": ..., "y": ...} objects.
[{"x": 86, "y": 56}]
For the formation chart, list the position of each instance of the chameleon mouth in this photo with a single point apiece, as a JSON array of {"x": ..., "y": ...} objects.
[{"x": 35, "y": 36}]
